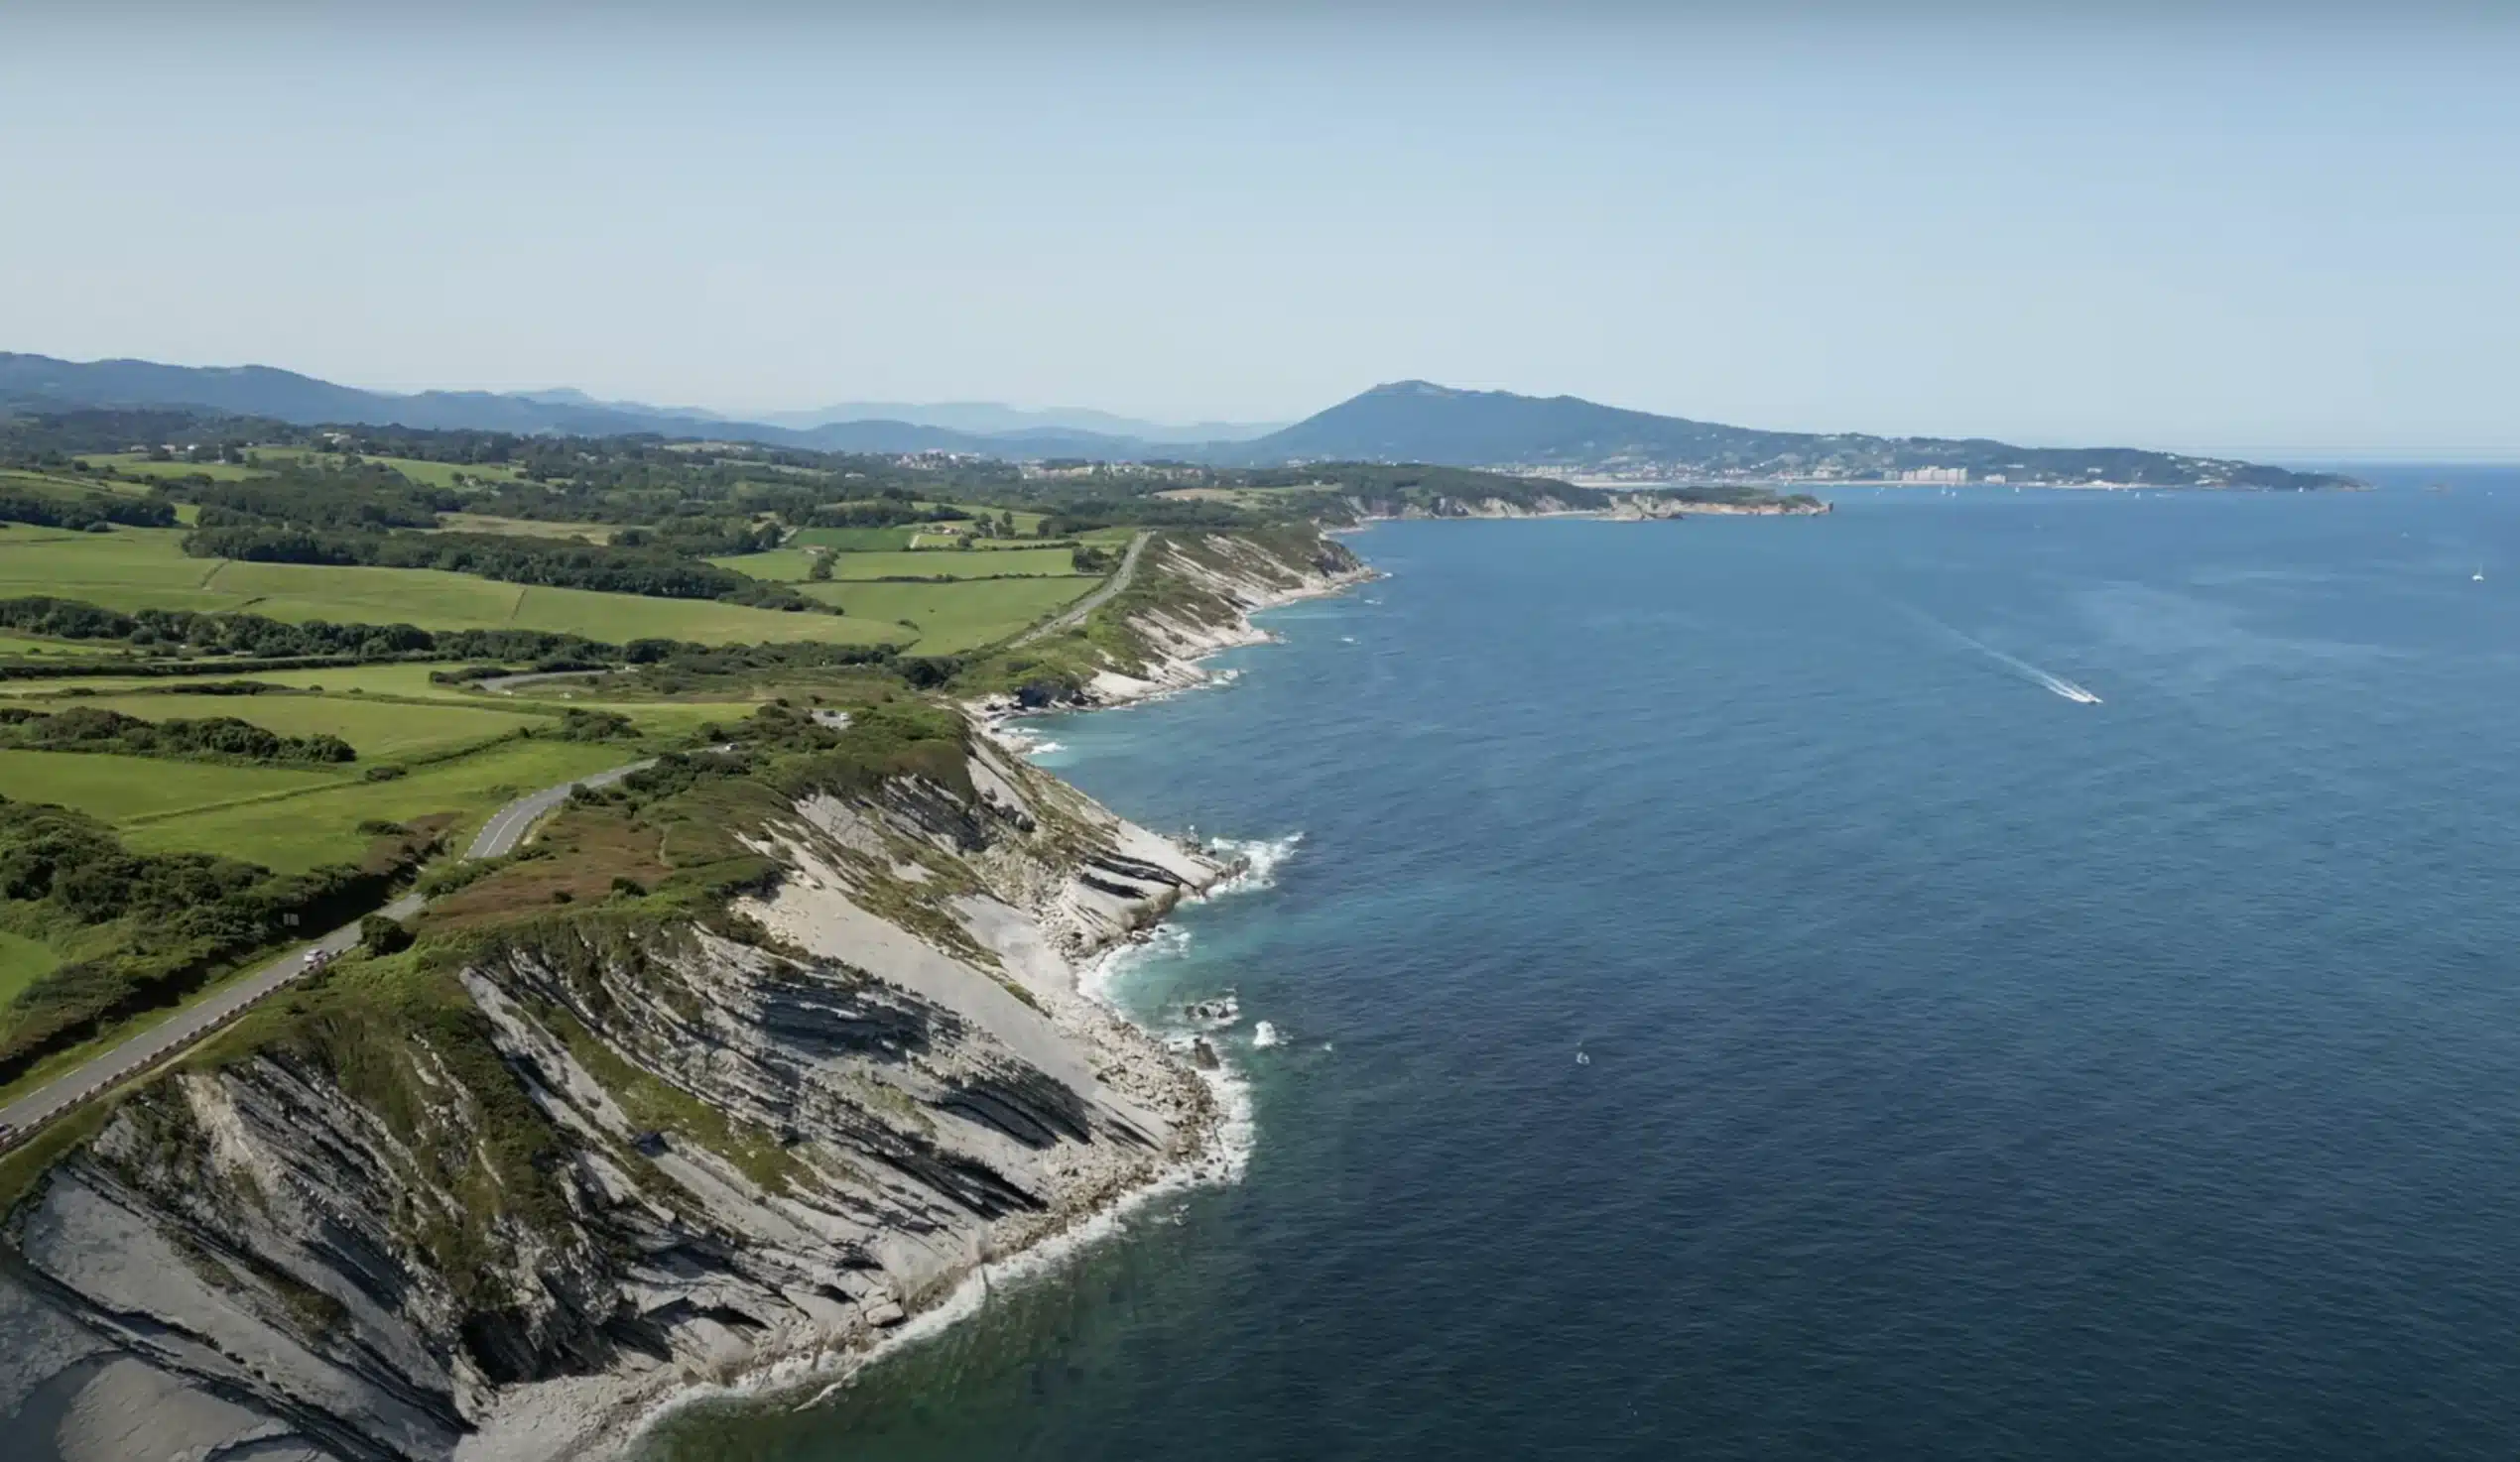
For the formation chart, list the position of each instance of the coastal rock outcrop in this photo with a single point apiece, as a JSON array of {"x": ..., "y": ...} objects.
[
  {"x": 594, "y": 1160},
  {"x": 1194, "y": 597}
]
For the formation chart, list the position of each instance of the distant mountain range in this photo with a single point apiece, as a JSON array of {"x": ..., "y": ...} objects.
[
  {"x": 40, "y": 382},
  {"x": 1421, "y": 422},
  {"x": 991, "y": 419},
  {"x": 976, "y": 417},
  {"x": 1403, "y": 421}
]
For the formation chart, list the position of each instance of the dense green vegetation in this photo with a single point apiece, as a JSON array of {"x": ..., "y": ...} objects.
[
  {"x": 617, "y": 567},
  {"x": 86, "y": 728},
  {"x": 179, "y": 918},
  {"x": 82, "y": 512}
]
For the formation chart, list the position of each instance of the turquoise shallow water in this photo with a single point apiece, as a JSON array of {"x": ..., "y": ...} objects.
[{"x": 1973, "y": 1071}]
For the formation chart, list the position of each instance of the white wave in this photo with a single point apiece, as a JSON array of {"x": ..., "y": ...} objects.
[
  {"x": 1024, "y": 741},
  {"x": 1263, "y": 1035},
  {"x": 1347, "y": 639},
  {"x": 1262, "y": 857},
  {"x": 1100, "y": 980}
]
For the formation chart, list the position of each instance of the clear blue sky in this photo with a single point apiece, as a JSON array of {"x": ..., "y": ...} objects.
[{"x": 2282, "y": 230}]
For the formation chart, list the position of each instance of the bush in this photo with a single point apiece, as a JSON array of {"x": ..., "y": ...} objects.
[
  {"x": 385, "y": 773},
  {"x": 586, "y": 725},
  {"x": 381, "y": 936}
]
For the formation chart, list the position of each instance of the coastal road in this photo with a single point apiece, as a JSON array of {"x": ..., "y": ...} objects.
[
  {"x": 1076, "y": 613},
  {"x": 498, "y": 836},
  {"x": 507, "y": 684}
]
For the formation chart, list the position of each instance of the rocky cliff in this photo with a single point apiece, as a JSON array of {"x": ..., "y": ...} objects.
[
  {"x": 1192, "y": 596},
  {"x": 499, "y": 1201}
]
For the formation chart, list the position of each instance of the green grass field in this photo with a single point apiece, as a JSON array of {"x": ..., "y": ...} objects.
[
  {"x": 432, "y": 475},
  {"x": 382, "y": 731},
  {"x": 13, "y": 535},
  {"x": 17, "y": 645},
  {"x": 531, "y": 527},
  {"x": 791, "y": 565},
  {"x": 144, "y": 569},
  {"x": 22, "y": 961},
  {"x": 960, "y": 616},
  {"x": 851, "y": 540},
  {"x": 66, "y": 486},
  {"x": 409, "y": 679},
  {"x": 139, "y": 465},
  {"x": 118, "y": 788},
  {"x": 299, "y": 832}
]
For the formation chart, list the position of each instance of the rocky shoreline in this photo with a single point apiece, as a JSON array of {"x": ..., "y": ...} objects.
[
  {"x": 1216, "y": 1154},
  {"x": 899, "y": 1079}
]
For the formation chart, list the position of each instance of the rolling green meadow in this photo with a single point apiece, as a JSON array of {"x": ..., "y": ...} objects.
[
  {"x": 955, "y": 617},
  {"x": 792, "y": 565},
  {"x": 302, "y": 828},
  {"x": 381, "y": 731},
  {"x": 145, "y": 569}
]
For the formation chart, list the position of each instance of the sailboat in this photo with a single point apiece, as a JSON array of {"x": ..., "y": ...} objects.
[{"x": 2479, "y": 576}]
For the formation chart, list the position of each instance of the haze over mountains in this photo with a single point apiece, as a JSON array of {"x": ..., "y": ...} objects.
[{"x": 1401, "y": 422}]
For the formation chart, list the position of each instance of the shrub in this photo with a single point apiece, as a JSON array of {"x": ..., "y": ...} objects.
[{"x": 381, "y": 936}]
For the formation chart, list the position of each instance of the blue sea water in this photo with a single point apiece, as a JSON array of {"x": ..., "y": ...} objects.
[{"x": 1971, "y": 1071}]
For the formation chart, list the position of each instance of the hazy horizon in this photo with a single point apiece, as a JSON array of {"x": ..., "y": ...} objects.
[{"x": 2274, "y": 231}]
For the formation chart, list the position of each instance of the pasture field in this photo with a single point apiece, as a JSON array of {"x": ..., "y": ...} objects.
[
  {"x": 1025, "y": 523},
  {"x": 958, "y": 616},
  {"x": 531, "y": 527},
  {"x": 791, "y": 565},
  {"x": 380, "y": 730},
  {"x": 777, "y": 565},
  {"x": 15, "y": 534},
  {"x": 139, "y": 465},
  {"x": 118, "y": 788},
  {"x": 305, "y": 830},
  {"x": 1042, "y": 562},
  {"x": 346, "y": 691},
  {"x": 17, "y": 645},
  {"x": 432, "y": 475},
  {"x": 851, "y": 540},
  {"x": 128, "y": 568},
  {"x": 144, "y": 569},
  {"x": 68, "y": 486}
]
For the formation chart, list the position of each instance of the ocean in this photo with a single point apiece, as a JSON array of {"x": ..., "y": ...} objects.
[{"x": 1992, "y": 975}]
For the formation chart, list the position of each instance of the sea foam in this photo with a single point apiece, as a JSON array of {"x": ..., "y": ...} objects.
[{"x": 1262, "y": 858}]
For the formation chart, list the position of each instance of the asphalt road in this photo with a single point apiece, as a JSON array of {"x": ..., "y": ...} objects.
[
  {"x": 507, "y": 684},
  {"x": 497, "y": 837},
  {"x": 1076, "y": 613}
]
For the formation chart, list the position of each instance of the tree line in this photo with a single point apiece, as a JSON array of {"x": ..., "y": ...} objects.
[{"x": 88, "y": 728}]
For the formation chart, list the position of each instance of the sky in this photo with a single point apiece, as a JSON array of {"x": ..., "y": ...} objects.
[{"x": 2288, "y": 229}]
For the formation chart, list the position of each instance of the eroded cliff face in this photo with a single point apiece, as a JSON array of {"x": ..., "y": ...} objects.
[
  {"x": 619, "y": 1156},
  {"x": 1203, "y": 589}
]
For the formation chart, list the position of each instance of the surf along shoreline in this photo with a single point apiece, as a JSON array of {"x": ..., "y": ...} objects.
[{"x": 1220, "y": 1157}]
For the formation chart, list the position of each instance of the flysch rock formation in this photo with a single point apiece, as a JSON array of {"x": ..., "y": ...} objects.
[
  {"x": 1213, "y": 584},
  {"x": 883, "y": 1070}
]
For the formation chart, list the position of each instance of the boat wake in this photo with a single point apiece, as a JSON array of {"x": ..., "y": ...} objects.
[{"x": 2053, "y": 684}]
